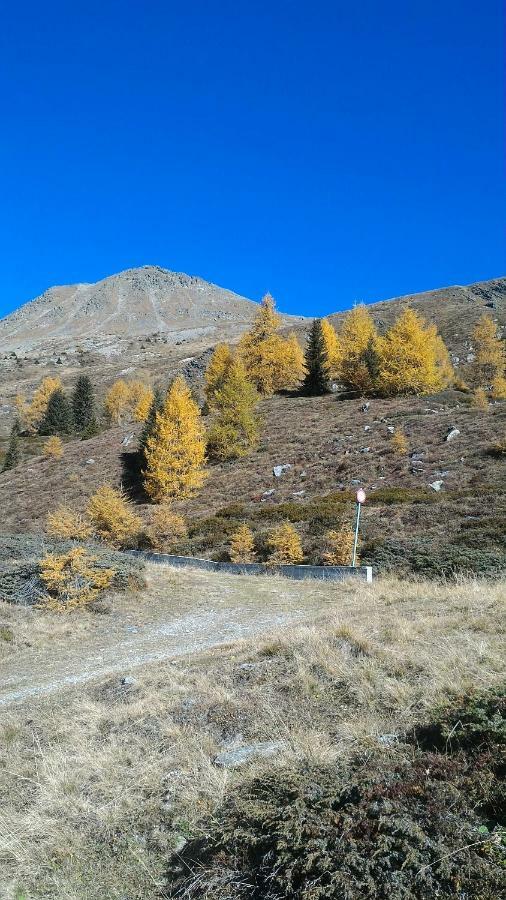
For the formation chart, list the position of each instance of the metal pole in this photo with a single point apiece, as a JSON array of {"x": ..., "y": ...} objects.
[{"x": 355, "y": 541}]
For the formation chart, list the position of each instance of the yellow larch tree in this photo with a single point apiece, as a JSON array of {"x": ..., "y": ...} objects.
[
  {"x": 358, "y": 349},
  {"x": 410, "y": 357},
  {"x": 285, "y": 545},
  {"x": 53, "y": 448},
  {"x": 399, "y": 443},
  {"x": 338, "y": 547},
  {"x": 117, "y": 401},
  {"x": 31, "y": 413},
  {"x": 332, "y": 349},
  {"x": 218, "y": 365},
  {"x": 141, "y": 398},
  {"x": 175, "y": 452},
  {"x": 112, "y": 517},
  {"x": 490, "y": 352},
  {"x": 242, "y": 545},
  {"x": 272, "y": 362},
  {"x": 499, "y": 387},
  {"x": 167, "y": 528},
  {"x": 235, "y": 429},
  {"x": 72, "y": 579},
  {"x": 67, "y": 524}
]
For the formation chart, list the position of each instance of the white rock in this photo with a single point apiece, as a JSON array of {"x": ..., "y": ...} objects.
[
  {"x": 452, "y": 434},
  {"x": 436, "y": 485},
  {"x": 279, "y": 470}
]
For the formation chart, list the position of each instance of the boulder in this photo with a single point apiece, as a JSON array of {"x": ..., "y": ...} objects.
[
  {"x": 240, "y": 756},
  {"x": 453, "y": 433},
  {"x": 278, "y": 471},
  {"x": 436, "y": 485}
]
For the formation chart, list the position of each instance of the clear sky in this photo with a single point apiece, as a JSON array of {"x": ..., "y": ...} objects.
[{"x": 326, "y": 151}]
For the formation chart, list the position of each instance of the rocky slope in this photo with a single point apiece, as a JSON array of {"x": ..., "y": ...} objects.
[{"x": 137, "y": 302}]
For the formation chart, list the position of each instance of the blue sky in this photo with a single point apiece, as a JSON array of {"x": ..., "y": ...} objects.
[{"x": 327, "y": 151}]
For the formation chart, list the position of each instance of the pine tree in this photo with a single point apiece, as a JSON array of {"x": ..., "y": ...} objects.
[
  {"x": 273, "y": 363},
  {"x": 235, "y": 429},
  {"x": 317, "y": 376},
  {"x": 83, "y": 407},
  {"x": 358, "y": 339},
  {"x": 410, "y": 356},
  {"x": 218, "y": 365},
  {"x": 285, "y": 545},
  {"x": 242, "y": 545},
  {"x": 13, "y": 455},
  {"x": 175, "y": 452},
  {"x": 57, "y": 418},
  {"x": 490, "y": 353}
]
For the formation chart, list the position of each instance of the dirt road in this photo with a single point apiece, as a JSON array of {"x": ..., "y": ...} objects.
[{"x": 180, "y": 614}]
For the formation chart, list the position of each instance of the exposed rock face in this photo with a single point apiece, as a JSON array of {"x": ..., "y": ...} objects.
[{"x": 137, "y": 302}]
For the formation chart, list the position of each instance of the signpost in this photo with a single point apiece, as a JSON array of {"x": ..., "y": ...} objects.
[{"x": 360, "y": 500}]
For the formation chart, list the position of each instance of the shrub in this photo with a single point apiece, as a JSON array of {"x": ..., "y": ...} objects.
[
  {"x": 242, "y": 545},
  {"x": 499, "y": 388},
  {"x": 426, "y": 826},
  {"x": 285, "y": 546},
  {"x": 479, "y": 399},
  {"x": 67, "y": 524},
  {"x": 72, "y": 579},
  {"x": 53, "y": 447},
  {"x": 112, "y": 518},
  {"x": 339, "y": 547},
  {"x": 167, "y": 528},
  {"x": 497, "y": 450}
]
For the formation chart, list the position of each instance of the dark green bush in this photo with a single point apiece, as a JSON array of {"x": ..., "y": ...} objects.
[{"x": 389, "y": 831}]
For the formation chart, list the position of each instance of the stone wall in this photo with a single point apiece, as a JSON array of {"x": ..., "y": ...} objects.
[{"x": 298, "y": 573}]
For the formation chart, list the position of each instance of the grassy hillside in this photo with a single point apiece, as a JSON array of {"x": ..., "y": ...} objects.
[
  {"x": 102, "y": 784},
  {"x": 332, "y": 446}
]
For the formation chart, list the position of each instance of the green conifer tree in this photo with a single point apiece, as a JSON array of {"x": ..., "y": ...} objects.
[
  {"x": 83, "y": 407},
  {"x": 13, "y": 455},
  {"x": 235, "y": 429},
  {"x": 316, "y": 380},
  {"x": 57, "y": 418}
]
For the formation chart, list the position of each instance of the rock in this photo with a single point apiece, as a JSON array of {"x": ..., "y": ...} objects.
[
  {"x": 356, "y": 481},
  {"x": 436, "y": 485},
  {"x": 453, "y": 433},
  {"x": 367, "y": 427},
  {"x": 303, "y": 474},
  {"x": 89, "y": 462},
  {"x": 391, "y": 428},
  {"x": 278, "y": 471},
  {"x": 417, "y": 455},
  {"x": 127, "y": 681},
  {"x": 388, "y": 739},
  {"x": 240, "y": 756},
  {"x": 127, "y": 439},
  {"x": 365, "y": 407},
  {"x": 298, "y": 493},
  {"x": 269, "y": 493},
  {"x": 365, "y": 450},
  {"x": 470, "y": 357}
]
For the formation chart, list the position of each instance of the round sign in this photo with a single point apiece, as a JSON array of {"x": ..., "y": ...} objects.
[{"x": 360, "y": 496}]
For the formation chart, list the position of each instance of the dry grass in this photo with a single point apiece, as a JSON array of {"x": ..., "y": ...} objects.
[{"x": 98, "y": 783}]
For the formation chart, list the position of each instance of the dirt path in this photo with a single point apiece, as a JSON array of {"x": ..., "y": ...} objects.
[{"x": 202, "y": 611}]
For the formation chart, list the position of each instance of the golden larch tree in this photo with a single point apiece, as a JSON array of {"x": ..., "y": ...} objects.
[
  {"x": 358, "y": 342},
  {"x": 175, "y": 452},
  {"x": 410, "y": 355},
  {"x": 338, "y": 547},
  {"x": 242, "y": 545},
  {"x": 218, "y": 365},
  {"x": 489, "y": 350},
  {"x": 499, "y": 387},
  {"x": 31, "y": 413},
  {"x": 53, "y": 447},
  {"x": 72, "y": 579},
  {"x": 167, "y": 528},
  {"x": 332, "y": 349},
  {"x": 67, "y": 524},
  {"x": 141, "y": 398},
  {"x": 112, "y": 517},
  {"x": 273, "y": 363},
  {"x": 117, "y": 402},
  {"x": 285, "y": 545},
  {"x": 235, "y": 429}
]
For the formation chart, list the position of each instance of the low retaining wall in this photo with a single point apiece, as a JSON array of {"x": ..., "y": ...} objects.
[{"x": 298, "y": 573}]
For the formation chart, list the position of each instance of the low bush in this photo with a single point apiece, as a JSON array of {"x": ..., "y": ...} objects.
[
  {"x": 430, "y": 824},
  {"x": 72, "y": 579}
]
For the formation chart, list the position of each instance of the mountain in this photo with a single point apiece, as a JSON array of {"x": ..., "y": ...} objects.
[{"x": 134, "y": 303}]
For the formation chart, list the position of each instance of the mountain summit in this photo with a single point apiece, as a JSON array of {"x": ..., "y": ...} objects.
[{"x": 133, "y": 303}]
